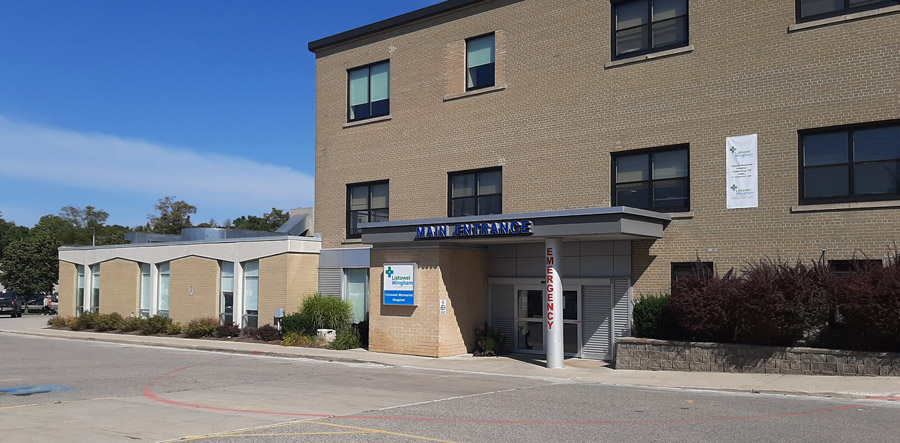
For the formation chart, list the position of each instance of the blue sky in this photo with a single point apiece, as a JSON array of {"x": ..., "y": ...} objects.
[{"x": 115, "y": 103}]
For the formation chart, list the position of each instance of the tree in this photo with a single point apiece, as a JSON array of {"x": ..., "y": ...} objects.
[
  {"x": 172, "y": 216},
  {"x": 30, "y": 266},
  {"x": 89, "y": 217},
  {"x": 10, "y": 233},
  {"x": 270, "y": 221}
]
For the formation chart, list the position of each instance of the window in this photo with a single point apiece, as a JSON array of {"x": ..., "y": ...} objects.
[
  {"x": 684, "y": 269},
  {"x": 79, "y": 291},
  {"x": 226, "y": 298},
  {"x": 145, "y": 291},
  {"x": 366, "y": 202},
  {"x": 356, "y": 291},
  {"x": 645, "y": 26},
  {"x": 808, "y": 10},
  {"x": 480, "y": 62},
  {"x": 251, "y": 294},
  {"x": 656, "y": 179},
  {"x": 162, "y": 296},
  {"x": 369, "y": 91},
  {"x": 476, "y": 193},
  {"x": 95, "y": 288},
  {"x": 844, "y": 267},
  {"x": 856, "y": 164}
]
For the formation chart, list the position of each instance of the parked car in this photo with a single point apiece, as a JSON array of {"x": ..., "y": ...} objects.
[{"x": 10, "y": 304}]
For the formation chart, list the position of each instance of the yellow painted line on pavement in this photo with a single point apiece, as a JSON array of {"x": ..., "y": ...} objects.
[
  {"x": 296, "y": 433},
  {"x": 55, "y": 403},
  {"x": 356, "y": 430},
  {"x": 379, "y": 431}
]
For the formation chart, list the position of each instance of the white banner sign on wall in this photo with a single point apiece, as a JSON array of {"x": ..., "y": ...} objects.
[{"x": 742, "y": 172}]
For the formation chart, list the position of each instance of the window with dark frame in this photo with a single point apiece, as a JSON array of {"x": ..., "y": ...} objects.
[
  {"x": 475, "y": 192},
  {"x": 368, "y": 91},
  {"x": 860, "y": 163},
  {"x": 808, "y": 10},
  {"x": 657, "y": 179},
  {"x": 366, "y": 202},
  {"x": 480, "y": 62},
  {"x": 644, "y": 26},
  {"x": 684, "y": 269},
  {"x": 845, "y": 267}
]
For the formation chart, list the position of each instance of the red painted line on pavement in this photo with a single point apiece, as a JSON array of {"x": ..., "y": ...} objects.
[{"x": 148, "y": 393}]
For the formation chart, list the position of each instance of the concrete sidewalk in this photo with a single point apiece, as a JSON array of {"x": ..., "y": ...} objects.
[{"x": 887, "y": 388}]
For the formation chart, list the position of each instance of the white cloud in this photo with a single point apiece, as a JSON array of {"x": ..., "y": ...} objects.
[{"x": 133, "y": 167}]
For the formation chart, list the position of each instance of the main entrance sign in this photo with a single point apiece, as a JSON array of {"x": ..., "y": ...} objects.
[
  {"x": 399, "y": 284},
  {"x": 489, "y": 229}
]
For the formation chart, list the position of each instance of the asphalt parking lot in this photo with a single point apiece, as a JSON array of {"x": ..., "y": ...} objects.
[{"x": 93, "y": 391}]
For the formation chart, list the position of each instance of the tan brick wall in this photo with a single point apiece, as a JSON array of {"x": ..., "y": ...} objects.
[
  {"x": 451, "y": 274},
  {"x": 203, "y": 275},
  {"x": 120, "y": 287},
  {"x": 284, "y": 281},
  {"x": 563, "y": 112},
  {"x": 68, "y": 284}
]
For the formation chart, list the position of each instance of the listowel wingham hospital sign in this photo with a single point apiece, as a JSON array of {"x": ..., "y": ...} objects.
[
  {"x": 487, "y": 229},
  {"x": 399, "y": 284}
]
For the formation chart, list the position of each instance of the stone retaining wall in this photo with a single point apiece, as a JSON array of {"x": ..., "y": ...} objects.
[{"x": 648, "y": 354}]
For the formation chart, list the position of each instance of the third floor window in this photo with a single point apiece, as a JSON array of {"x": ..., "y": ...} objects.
[
  {"x": 645, "y": 26},
  {"x": 476, "y": 193},
  {"x": 369, "y": 91},
  {"x": 480, "y": 62},
  {"x": 817, "y": 9}
]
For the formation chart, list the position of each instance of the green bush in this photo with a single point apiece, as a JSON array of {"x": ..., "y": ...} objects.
[
  {"x": 347, "y": 338},
  {"x": 87, "y": 320},
  {"x": 232, "y": 330},
  {"x": 297, "y": 323},
  {"x": 489, "y": 341},
  {"x": 131, "y": 324},
  {"x": 651, "y": 318},
  {"x": 154, "y": 325},
  {"x": 297, "y": 339},
  {"x": 109, "y": 322},
  {"x": 268, "y": 333},
  {"x": 174, "y": 328},
  {"x": 201, "y": 327},
  {"x": 325, "y": 312}
]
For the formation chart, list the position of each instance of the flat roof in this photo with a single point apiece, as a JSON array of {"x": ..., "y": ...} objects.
[{"x": 392, "y": 22}]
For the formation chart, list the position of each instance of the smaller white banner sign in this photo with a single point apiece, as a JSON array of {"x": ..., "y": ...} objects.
[
  {"x": 742, "y": 170},
  {"x": 400, "y": 284}
]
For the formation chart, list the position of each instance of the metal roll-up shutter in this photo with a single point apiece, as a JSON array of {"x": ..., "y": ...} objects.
[
  {"x": 503, "y": 310},
  {"x": 621, "y": 308},
  {"x": 330, "y": 281},
  {"x": 596, "y": 322}
]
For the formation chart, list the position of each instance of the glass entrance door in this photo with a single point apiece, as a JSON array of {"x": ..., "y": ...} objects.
[{"x": 530, "y": 324}]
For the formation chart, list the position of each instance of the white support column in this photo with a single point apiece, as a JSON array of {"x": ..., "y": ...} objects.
[
  {"x": 154, "y": 289},
  {"x": 237, "y": 305},
  {"x": 88, "y": 288},
  {"x": 553, "y": 319}
]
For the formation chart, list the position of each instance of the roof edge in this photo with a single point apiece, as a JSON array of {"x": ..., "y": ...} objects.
[{"x": 392, "y": 22}]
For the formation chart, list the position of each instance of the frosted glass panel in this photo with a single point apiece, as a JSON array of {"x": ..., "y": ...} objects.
[
  {"x": 480, "y": 51},
  {"x": 251, "y": 269},
  {"x": 380, "y": 82},
  {"x": 356, "y": 292},
  {"x": 163, "y": 292},
  {"x": 359, "y": 86},
  {"x": 227, "y": 276},
  {"x": 251, "y": 294},
  {"x": 145, "y": 286}
]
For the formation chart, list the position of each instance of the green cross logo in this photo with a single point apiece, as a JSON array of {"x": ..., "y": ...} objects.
[{"x": 389, "y": 271}]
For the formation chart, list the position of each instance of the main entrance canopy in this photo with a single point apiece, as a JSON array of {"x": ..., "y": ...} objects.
[{"x": 507, "y": 268}]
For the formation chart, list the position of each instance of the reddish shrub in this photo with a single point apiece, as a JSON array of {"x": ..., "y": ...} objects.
[
  {"x": 780, "y": 304},
  {"x": 700, "y": 305},
  {"x": 869, "y": 307}
]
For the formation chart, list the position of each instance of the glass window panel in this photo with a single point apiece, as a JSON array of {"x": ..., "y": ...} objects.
[
  {"x": 858, "y": 3},
  {"x": 146, "y": 296},
  {"x": 379, "y": 196},
  {"x": 631, "y": 14},
  {"x": 670, "y": 32},
  {"x": 378, "y": 215},
  {"x": 462, "y": 185},
  {"x": 876, "y": 144},
  {"x": 356, "y": 293},
  {"x": 381, "y": 107},
  {"x": 530, "y": 335},
  {"x": 631, "y": 40},
  {"x": 163, "y": 301},
  {"x": 665, "y": 9},
  {"x": 227, "y": 276},
  {"x": 380, "y": 81},
  {"x": 670, "y": 164},
  {"x": 480, "y": 76},
  {"x": 815, "y": 7},
  {"x": 251, "y": 294},
  {"x": 636, "y": 195},
  {"x": 357, "y": 217},
  {"x": 875, "y": 178},
  {"x": 489, "y": 205},
  {"x": 463, "y": 207},
  {"x": 480, "y": 51},
  {"x": 632, "y": 168},
  {"x": 489, "y": 183},
  {"x": 827, "y": 181},
  {"x": 825, "y": 149},
  {"x": 570, "y": 338},
  {"x": 251, "y": 269},
  {"x": 359, "y": 197},
  {"x": 570, "y": 305},
  {"x": 670, "y": 193},
  {"x": 359, "y": 86}
]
